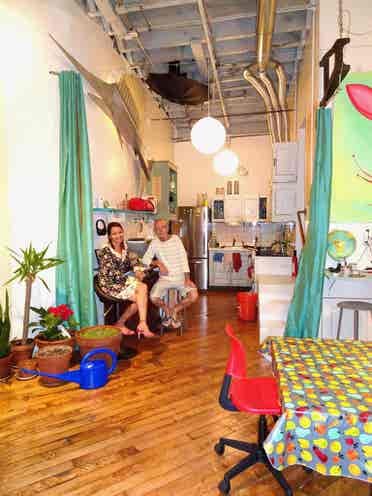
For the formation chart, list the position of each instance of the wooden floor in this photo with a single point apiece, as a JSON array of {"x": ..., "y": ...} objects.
[{"x": 150, "y": 431}]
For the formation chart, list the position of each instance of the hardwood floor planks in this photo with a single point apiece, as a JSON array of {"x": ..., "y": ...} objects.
[{"x": 151, "y": 430}]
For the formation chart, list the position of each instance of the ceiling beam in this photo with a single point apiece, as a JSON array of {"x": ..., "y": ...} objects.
[
  {"x": 127, "y": 9},
  {"x": 171, "y": 37},
  {"x": 200, "y": 59},
  {"x": 212, "y": 56},
  {"x": 159, "y": 4}
]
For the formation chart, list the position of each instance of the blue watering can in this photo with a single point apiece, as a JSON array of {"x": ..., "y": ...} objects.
[{"x": 91, "y": 375}]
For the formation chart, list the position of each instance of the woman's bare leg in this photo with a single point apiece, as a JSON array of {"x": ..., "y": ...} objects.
[
  {"x": 141, "y": 300},
  {"x": 127, "y": 314}
]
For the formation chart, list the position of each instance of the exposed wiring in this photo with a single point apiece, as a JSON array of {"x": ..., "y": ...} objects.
[{"x": 348, "y": 28}]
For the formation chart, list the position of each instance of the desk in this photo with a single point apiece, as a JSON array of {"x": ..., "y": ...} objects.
[
  {"x": 326, "y": 395},
  {"x": 338, "y": 288}
]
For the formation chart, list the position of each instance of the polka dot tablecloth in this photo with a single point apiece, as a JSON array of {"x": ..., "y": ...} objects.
[{"x": 326, "y": 396}]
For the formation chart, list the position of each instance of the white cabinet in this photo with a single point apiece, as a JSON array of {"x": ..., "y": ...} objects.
[
  {"x": 284, "y": 204},
  {"x": 276, "y": 266},
  {"x": 233, "y": 209},
  {"x": 274, "y": 298},
  {"x": 250, "y": 209},
  {"x": 241, "y": 209},
  {"x": 285, "y": 162}
]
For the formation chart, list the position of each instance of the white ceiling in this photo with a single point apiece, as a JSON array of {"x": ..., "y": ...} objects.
[{"x": 152, "y": 33}]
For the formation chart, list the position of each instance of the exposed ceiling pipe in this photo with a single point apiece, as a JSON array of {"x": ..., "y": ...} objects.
[
  {"x": 250, "y": 78},
  {"x": 212, "y": 57},
  {"x": 257, "y": 72},
  {"x": 266, "y": 10},
  {"x": 282, "y": 89}
]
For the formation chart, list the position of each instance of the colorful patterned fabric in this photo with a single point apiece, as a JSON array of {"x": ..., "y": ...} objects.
[
  {"x": 326, "y": 395},
  {"x": 112, "y": 271}
]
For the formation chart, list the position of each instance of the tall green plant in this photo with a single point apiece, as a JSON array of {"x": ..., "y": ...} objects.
[
  {"x": 4, "y": 328},
  {"x": 29, "y": 264}
]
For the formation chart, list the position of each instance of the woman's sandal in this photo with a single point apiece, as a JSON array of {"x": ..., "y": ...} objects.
[{"x": 144, "y": 331}]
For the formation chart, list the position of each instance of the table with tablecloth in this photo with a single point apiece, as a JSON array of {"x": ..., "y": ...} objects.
[{"x": 326, "y": 394}]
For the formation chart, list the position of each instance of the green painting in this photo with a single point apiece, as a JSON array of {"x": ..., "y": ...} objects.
[{"x": 352, "y": 156}]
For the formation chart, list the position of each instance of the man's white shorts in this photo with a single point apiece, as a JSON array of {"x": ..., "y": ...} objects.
[{"x": 160, "y": 288}]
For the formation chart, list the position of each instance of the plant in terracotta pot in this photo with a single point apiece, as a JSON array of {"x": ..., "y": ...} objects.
[
  {"x": 101, "y": 336},
  {"x": 56, "y": 325},
  {"x": 5, "y": 350},
  {"x": 53, "y": 360},
  {"x": 29, "y": 264}
]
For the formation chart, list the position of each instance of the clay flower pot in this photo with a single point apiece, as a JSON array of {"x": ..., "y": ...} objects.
[
  {"x": 21, "y": 351},
  {"x": 30, "y": 364},
  {"x": 104, "y": 336},
  {"x": 5, "y": 366},
  {"x": 41, "y": 343},
  {"x": 53, "y": 360}
]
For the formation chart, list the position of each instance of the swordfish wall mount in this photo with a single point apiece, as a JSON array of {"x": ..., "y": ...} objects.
[{"x": 113, "y": 105}]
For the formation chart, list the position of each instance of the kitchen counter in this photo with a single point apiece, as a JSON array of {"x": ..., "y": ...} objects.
[
  {"x": 231, "y": 249},
  {"x": 365, "y": 276}
]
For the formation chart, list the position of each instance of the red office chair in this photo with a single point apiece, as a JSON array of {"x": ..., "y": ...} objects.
[{"x": 257, "y": 395}]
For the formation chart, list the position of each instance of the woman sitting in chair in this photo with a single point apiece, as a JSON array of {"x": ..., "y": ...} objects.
[{"x": 114, "y": 280}]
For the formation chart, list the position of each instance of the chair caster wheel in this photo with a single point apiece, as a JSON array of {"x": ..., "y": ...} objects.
[
  {"x": 224, "y": 487},
  {"x": 219, "y": 449}
]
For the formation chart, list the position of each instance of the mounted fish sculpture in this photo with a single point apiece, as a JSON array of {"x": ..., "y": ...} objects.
[{"x": 114, "y": 106}]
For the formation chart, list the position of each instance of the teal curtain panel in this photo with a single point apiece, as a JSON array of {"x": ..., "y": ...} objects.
[
  {"x": 306, "y": 306},
  {"x": 74, "y": 278}
]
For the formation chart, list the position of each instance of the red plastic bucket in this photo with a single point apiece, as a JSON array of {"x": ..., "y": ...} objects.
[{"x": 247, "y": 306}]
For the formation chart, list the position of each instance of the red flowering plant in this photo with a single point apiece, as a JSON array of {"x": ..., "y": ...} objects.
[{"x": 53, "y": 322}]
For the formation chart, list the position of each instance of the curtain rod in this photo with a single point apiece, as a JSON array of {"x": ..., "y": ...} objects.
[{"x": 54, "y": 73}]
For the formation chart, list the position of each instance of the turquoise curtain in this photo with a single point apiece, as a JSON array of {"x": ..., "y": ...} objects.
[
  {"x": 306, "y": 306},
  {"x": 74, "y": 284}
]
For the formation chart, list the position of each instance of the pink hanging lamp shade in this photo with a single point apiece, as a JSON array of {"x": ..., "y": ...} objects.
[{"x": 361, "y": 97}]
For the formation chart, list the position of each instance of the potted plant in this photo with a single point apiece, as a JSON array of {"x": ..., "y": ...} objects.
[
  {"x": 56, "y": 325},
  {"x": 5, "y": 350},
  {"x": 54, "y": 360},
  {"x": 29, "y": 264},
  {"x": 101, "y": 336}
]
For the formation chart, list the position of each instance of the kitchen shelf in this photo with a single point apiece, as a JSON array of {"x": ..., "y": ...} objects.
[{"x": 119, "y": 211}]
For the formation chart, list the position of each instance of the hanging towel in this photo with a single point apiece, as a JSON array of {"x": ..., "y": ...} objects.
[
  {"x": 237, "y": 261},
  {"x": 217, "y": 257},
  {"x": 227, "y": 259}
]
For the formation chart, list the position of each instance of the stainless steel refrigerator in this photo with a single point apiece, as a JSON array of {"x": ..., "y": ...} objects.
[{"x": 194, "y": 234}]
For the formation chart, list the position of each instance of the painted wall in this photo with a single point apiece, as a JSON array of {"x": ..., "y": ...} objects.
[
  {"x": 307, "y": 101},
  {"x": 30, "y": 120},
  {"x": 357, "y": 21},
  {"x": 196, "y": 173},
  {"x": 357, "y": 25}
]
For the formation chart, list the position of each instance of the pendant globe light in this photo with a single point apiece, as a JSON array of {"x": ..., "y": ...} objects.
[
  {"x": 226, "y": 162},
  {"x": 208, "y": 135}
]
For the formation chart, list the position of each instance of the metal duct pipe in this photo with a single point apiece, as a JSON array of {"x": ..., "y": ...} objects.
[
  {"x": 261, "y": 90},
  {"x": 282, "y": 88},
  {"x": 274, "y": 101},
  {"x": 256, "y": 73},
  {"x": 265, "y": 27}
]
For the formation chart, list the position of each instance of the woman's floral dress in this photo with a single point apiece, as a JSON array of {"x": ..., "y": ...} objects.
[{"x": 111, "y": 276}]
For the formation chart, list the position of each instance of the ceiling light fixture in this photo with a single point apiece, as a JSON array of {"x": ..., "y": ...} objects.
[
  {"x": 226, "y": 162},
  {"x": 208, "y": 135}
]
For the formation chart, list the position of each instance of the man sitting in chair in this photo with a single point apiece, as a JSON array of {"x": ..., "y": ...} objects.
[{"x": 171, "y": 258}]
